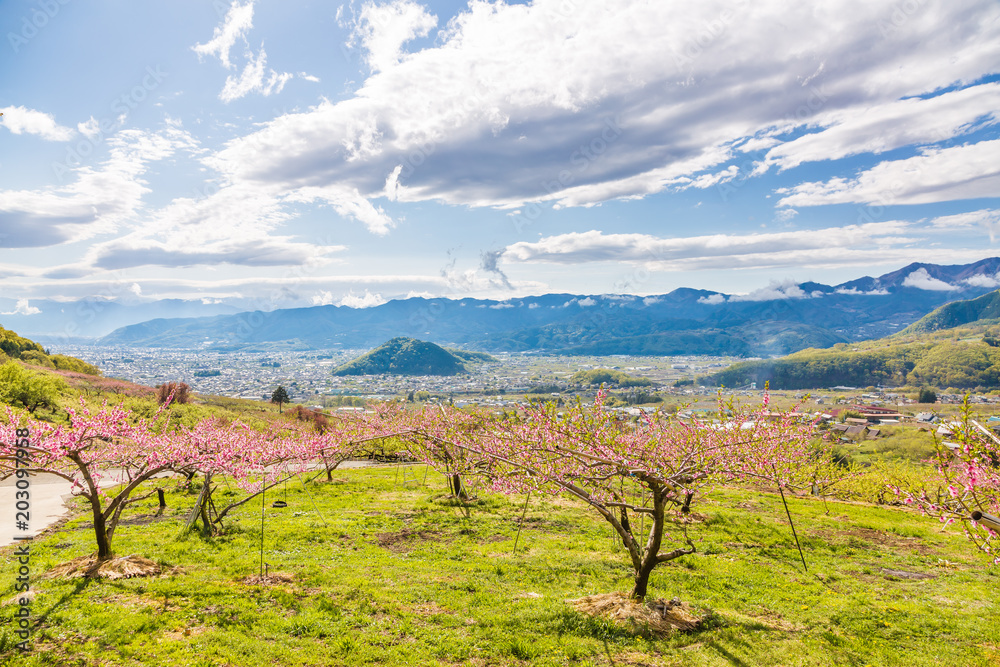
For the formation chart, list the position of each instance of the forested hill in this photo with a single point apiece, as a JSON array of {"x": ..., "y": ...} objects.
[
  {"x": 958, "y": 313},
  {"x": 13, "y": 346},
  {"x": 962, "y": 358},
  {"x": 405, "y": 356}
]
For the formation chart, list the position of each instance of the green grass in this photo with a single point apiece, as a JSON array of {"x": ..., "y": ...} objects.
[{"x": 399, "y": 575}]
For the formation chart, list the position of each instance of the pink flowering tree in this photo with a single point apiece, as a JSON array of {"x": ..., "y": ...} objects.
[
  {"x": 638, "y": 472},
  {"x": 106, "y": 455},
  {"x": 966, "y": 488}
]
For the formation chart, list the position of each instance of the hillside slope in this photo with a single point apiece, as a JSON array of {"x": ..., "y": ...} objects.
[{"x": 959, "y": 313}]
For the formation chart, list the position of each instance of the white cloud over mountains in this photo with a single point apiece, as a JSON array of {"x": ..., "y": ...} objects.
[{"x": 921, "y": 279}]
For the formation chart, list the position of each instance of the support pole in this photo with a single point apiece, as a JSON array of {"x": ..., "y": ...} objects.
[{"x": 521, "y": 522}]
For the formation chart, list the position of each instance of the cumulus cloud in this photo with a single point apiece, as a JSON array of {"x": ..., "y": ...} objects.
[
  {"x": 713, "y": 299},
  {"x": 586, "y": 303},
  {"x": 236, "y": 25},
  {"x": 21, "y": 120},
  {"x": 969, "y": 171},
  {"x": 983, "y": 280},
  {"x": 920, "y": 279},
  {"x": 22, "y": 308},
  {"x": 519, "y": 103},
  {"x": 366, "y": 300},
  {"x": 381, "y": 30},
  {"x": 776, "y": 290}
]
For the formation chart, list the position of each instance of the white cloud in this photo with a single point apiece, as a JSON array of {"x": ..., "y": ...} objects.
[
  {"x": 22, "y": 308},
  {"x": 533, "y": 306},
  {"x": 595, "y": 246},
  {"x": 920, "y": 279},
  {"x": 883, "y": 127},
  {"x": 519, "y": 103},
  {"x": 970, "y": 171},
  {"x": 854, "y": 291},
  {"x": 586, "y": 303},
  {"x": 502, "y": 306},
  {"x": 99, "y": 201},
  {"x": 254, "y": 78},
  {"x": 20, "y": 120},
  {"x": 713, "y": 299},
  {"x": 366, "y": 300},
  {"x": 238, "y": 21},
  {"x": 983, "y": 280},
  {"x": 382, "y": 30},
  {"x": 89, "y": 128},
  {"x": 776, "y": 290},
  {"x": 235, "y": 225},
  {"x": 986, "y": 219},
  {"x": 651, "y": 300},
  {"x": 135, "y": 289}
]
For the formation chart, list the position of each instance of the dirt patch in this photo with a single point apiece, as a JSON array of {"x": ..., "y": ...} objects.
[
  {"x": 903, "y": 574},
  {"x": 869, "y": 537},
  {"x": 125, "y": 567},
  {"x": 404, "y": 540},
  {"x": 269, "y": 579},
  {"x": 186, "y": 632},
  {"x": 429, "y": 609},
  {"x": 657, "y": 617}
]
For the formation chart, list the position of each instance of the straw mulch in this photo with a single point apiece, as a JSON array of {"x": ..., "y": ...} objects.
[
  {"x": 125, "y": 567},
  {"x": 656, "y": 617}
]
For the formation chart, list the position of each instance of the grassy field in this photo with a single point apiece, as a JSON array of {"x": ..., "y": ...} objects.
[{"x": 384, "y": 573}]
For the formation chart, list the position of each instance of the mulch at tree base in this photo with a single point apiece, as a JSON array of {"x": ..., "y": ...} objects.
[
  {"x": 657, "y": 617},
  {"x": 124, "y": 567}
]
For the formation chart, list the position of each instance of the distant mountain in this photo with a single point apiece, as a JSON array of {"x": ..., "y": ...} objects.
[
  {"x": 57, "y": 321},
  {"x": 405, "y": 356},
  {"x": 772, "y": 321},
  {"x": 957, "y": 313}
]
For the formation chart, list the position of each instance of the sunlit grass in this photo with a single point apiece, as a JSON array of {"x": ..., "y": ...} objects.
[{"x": 387, "y": 573}]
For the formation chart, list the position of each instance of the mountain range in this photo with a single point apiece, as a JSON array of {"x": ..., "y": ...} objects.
[{"x": 776, "y": 320}]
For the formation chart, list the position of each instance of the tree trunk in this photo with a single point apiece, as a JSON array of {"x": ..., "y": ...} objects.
[
  {"x": 457, "y": 488},
  {"x": 100, "y": 532},
  {"x": 686, "y": 508}
]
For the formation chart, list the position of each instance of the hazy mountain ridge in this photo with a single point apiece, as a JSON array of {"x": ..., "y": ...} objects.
[{"x": 774, "y": 321}]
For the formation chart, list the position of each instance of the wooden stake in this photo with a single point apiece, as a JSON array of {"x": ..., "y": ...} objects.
[{"x": 521, "y": 522}]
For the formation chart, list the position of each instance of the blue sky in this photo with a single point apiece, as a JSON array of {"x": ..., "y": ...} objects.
[{"x": 302, "y": 152}]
